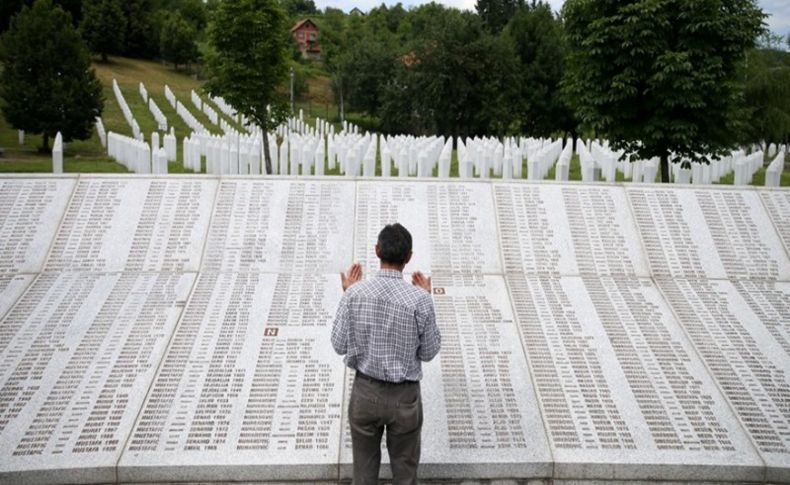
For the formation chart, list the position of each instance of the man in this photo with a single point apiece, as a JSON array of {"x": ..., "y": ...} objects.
[{"x": 386, "y": 328}]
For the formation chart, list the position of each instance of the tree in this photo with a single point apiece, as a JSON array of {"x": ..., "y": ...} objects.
[
  {"x": 537, "y": 36},
  {"x": 47, "y": 84},
  {"x": 248, "y": 61},
  {"x": 767, "y": 95},
  {"x": 9, "y": 8},
  {"x": 177, "y": 40},
  {"x": 143, "y": 25},
  {"x": 658, "y": 78},
  {"x": 103, "y": 25},
  {"x": 496, "y": 13}
]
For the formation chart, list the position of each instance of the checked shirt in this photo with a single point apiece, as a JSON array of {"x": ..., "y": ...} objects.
[{"x": 386, "y": 327}]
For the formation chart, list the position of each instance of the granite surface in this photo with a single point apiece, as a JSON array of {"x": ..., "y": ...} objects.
[{"x": 176, "y": 329}]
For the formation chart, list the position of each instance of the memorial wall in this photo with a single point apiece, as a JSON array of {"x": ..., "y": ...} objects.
[{"x": 176, "y": 329}]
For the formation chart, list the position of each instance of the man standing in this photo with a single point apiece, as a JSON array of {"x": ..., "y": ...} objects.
[{"x": 386, "y": 328}]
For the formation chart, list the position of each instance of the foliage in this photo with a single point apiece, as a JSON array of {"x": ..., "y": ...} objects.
[
  {"x": 248, "y": 60},
  {"x": 540, "y": 47},
  {"x": 143, "y": 25},
  {"x": 658, "y": 77},
  {"x": 177, "y": 40},
  {"x": 767, "y": 94},
  {"x": 103, "y": 25},
  {"x": 299, "y": 7},
  {"x": 495, "y": 14},
  {"x": 47, "y": 84},
  {"x": 9, "y": 8}
]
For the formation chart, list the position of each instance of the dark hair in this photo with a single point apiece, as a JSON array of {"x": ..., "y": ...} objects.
[{"x": 394, "y": 244}]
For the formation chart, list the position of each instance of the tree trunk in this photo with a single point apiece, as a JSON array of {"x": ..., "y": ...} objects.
[
  {"x": 104, "y": 57},
  {"x": 342, "y": 109},
  {"x": 665, "y": 168},
  {"x": 266, "y": 155},
  {"x": 44, "y": 143}
]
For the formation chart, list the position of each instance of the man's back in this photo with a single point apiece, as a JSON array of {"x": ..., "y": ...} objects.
[{"x": 386, "y": 327}]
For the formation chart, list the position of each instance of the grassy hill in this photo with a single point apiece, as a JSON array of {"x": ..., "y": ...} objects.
[{"x": 90, "y": 156}]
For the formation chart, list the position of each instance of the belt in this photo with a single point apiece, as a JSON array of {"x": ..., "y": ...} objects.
[{"x": 360, "y": 375}]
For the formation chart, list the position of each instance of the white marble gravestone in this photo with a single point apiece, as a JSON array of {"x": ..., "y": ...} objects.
[
  {"x": 481, "y": 418},
  {"x": 281, "y": 226},
  {"x": 134, "y": 224},
  {"x": 30, "y": 212},
  {"x": 77, "y": 354},
  {"x": 708, "y": 233},
  {"x": 623, "y": 393},
  {"x": 451, "y": 224},
  {"x": 742, "y": 331},
  {"x": 249, "y": 389},
  {"x": 176, "y": 329},
  {"x": 567, "y": 230}
]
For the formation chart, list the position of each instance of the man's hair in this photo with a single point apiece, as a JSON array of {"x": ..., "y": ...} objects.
[{"x": 394, "y": 244}]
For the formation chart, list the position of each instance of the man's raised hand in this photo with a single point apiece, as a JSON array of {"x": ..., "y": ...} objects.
[
  {"x": 353, "y": 276},
  {"x": 419, "y": 279}
]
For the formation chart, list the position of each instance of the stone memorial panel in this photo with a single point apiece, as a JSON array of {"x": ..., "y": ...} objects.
[
  {"x": 777, "y": 203},
  {"x": 623, "y": 394},
  {"x": 281, "y": 226},
  {"x": 567, "y": 230},
  {"x": 250, "y": 387},
  {"x": 481, "y": 419},
  {"x": 708, "y": 233},
  {"x": 11, "y": 288},
  {"x": 134, "y": 224},
  {"x": 30, "y": 211},
  {"x": 451, "y": 225},
  {"x": 742, "y": 331},
  {"x": 77, "y": 355}
]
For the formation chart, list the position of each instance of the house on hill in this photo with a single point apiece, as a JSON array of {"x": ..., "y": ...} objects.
[
  {"x": 357, "y": 12},
  {"x": 305, "y": 33}
]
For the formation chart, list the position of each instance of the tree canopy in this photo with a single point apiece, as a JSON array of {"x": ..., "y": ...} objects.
[
  {"x": 47, "y": 84},
  {"x": 248, "y": 60},
  {"x": 103, "y": 26},
  {"x": 178, "y": 40},
  {"x": 659, "y": 78}
]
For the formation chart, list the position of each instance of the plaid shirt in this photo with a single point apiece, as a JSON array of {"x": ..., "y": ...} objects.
[{"x": 386, "y": 327}]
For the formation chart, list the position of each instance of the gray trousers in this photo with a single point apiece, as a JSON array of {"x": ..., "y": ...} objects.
[{"x": 373, "y": 407}]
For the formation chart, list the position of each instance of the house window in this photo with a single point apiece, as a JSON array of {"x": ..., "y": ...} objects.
[
  {"x": 301, "y": 35},
  {"x": 312, "y": 35}
]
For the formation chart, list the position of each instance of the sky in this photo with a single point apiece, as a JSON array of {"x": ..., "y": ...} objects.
[{"x": 778, "y": 10}]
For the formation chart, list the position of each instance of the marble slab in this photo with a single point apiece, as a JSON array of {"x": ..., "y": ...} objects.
[
  {"x": 567, "y": 230},
  {"x": 134, "y": 224},
  {"x": 77, "y": 354},
  {"x": 11, "y": 288},
  {"x": 742, "y": 331},
  {"x": 708, "y": 233},
  {"x": 249, "y": 389},
  {"x": 777, "y": 204},
  {"x": 30, "y": 211},
  {"x": 283, "y": 226},
  {"x": 623, "y": 394},
  {"x": 452, "y": 225},
  {"x": 481, "y": 419}
]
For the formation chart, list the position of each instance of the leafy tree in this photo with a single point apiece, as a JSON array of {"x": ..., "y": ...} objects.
[
  {"x": 496, "y": 13},
  {"x": 248, "y": 61},
  {"x": 143, "y": 25},
  {"x": 299, "y": 7},
  {"x": 767, "y": 95},
  {"x": 658, "y": 77},
  {"x": 9, "y": 8},
  {"x": 178, "y": 40},
  {"x": 47, "y": 84},
  {"x": 538, "y": 39},
  {"x": 103, "y": 25}
]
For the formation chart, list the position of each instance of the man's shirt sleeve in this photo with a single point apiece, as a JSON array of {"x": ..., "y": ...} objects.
[
  {"x": 430, "y": 339},
  {"x": 340, "y": 327}
]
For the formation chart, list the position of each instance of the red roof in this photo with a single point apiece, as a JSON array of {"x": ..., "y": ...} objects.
[{"x": 302, "y": 23}]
